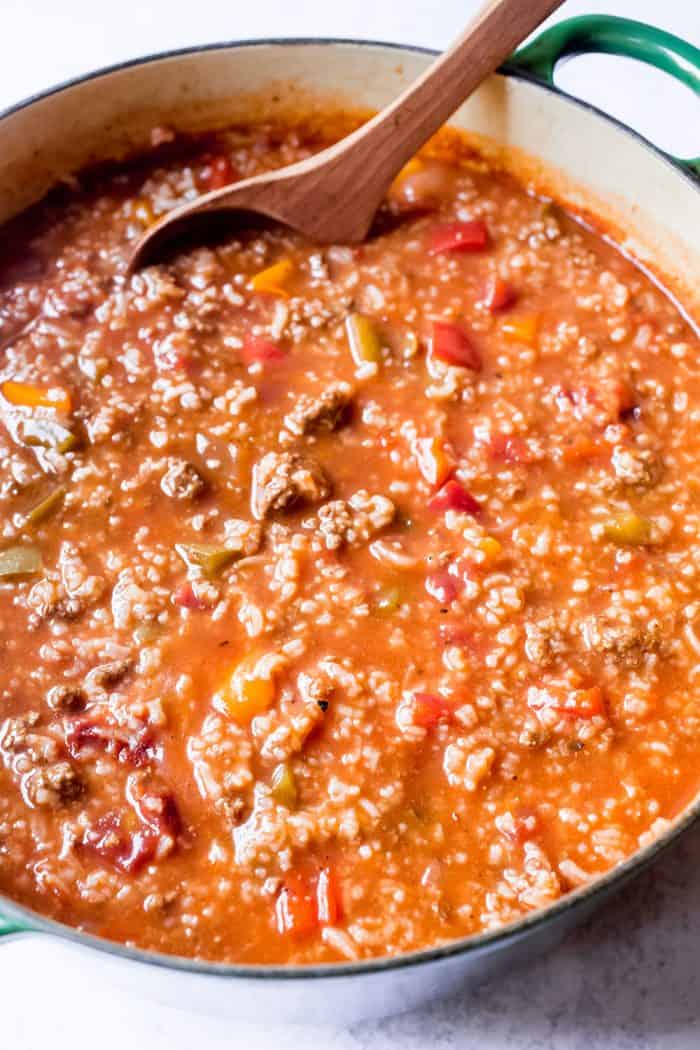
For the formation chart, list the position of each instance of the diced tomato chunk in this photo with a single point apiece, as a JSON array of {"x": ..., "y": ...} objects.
[
  {"x": 91, "y": 733},
  {"x": 185, "y": 597},
  {"x": 218, "y": 173},
  {"x": 156, "y": 810},
  {"x": 444, "y": 586},
  {"x": 454, "y": 496},
  {"x": 524, "y": 825},
  {"x": 584, "y": 703},
  {"x": 612, "y": 399},
  {"x": 510, "y": 448},
  {"x": 427, "y": 709},
  {"x": 295, "y": 910},
  {"x": 172, "y": 354},
  {"x": 128, "y": 845},
  {"x": 625, "y": 400},
  {"x": 498, "y": 295},
  {"x": 466, "y": 568},
  {"x": 581, "y": 449},
  {"x": 258, "y": 348},
  {"x": 127, "y": 850},
  {"x": 629, "y": 569},
  {"x": 576, "y": 703},
  {"x": 456, "y": 634},
  {"x": 471, "y": 236},
  {"x": 328, "y": 901},
  {"x": 451, "y": 344},
  {"x": 141, "y": 748},
  {"x": 141, "y": 851}
]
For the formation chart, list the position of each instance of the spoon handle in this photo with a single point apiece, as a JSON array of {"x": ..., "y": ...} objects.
[
  {"x": 333, "y": 195},
  {"x": 376, "y": 151}
]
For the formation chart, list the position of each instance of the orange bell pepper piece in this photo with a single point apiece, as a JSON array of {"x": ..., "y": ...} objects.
[
  {"x": 522, "y": 329},
  {"x": 272, "y": 279},
  {"x": 29, "y": 396}
]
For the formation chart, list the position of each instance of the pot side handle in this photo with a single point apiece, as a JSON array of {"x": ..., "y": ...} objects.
[
  {"x": 613, "y": 36},
  {"x": 12, "y": 925}
]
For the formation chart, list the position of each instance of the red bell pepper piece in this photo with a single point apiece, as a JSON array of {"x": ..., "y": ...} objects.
[
  {"x": 434, "y": 461},
  {"x": 472, "y": 236},
  {"x": 510, "y": 448},
  {"x": 498, "y": 295},
  {"x": 444, "y": 586},
  {"x": 295, "y": 910},
  {"x": 258, "y": 348},
  {"x": 427, "y": 709},
  {"x": 220, "y": 173},
  {"x": 451, "y": 344},
  {"x": 454, "y": 496}
]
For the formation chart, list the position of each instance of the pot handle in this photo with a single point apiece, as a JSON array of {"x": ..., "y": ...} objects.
[
  {"x": 10, "y": 924},
  {"x": 612, "y": 36}
]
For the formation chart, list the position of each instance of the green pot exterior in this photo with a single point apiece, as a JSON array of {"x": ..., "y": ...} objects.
[
  {"x": 607, "y": 34},
  {"x": 8, "y": 926}
]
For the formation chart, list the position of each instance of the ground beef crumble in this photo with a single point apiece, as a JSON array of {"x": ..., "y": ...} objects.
[
  {"x": 182, "y": 481},
  {"x": 327, "y": 411},
  {"x": 354, "y": 520},
  {"x": 284, "y": 480}
]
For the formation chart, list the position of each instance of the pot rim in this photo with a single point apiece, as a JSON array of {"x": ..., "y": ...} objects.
[{"x": 30, "y": 921}]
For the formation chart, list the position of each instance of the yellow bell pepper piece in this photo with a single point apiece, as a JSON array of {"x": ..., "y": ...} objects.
[
  {"x": 283, "y": 786},
  {"x": 388, "y": 601},
  {"x": 363, "y": 339},
  {"x": 29, "y": 396},
  {"x": 273, "y": 278},
  {"x": 490, "y": 548},
  {"x": 412, "y": 166},
  {"x": 142, "y": 209},
  {"x": 628, "y": 529}
]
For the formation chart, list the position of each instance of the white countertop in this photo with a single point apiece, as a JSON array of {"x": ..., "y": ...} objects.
[{"x": 630, "y": 980}]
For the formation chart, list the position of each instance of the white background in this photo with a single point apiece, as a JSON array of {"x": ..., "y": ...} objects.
[{"x": 629, "y": 980}]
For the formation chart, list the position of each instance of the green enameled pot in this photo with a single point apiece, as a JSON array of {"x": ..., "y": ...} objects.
[{"x": 651, "y": 202}]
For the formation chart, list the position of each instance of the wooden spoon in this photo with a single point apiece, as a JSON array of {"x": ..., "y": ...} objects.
[{"x": 332, "y": 197}]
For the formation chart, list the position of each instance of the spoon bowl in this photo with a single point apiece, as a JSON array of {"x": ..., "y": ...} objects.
[{"x": 333, "y": 196}]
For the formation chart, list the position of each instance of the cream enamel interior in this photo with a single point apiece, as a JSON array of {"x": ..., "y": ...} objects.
[{"x": 594, "y": 165}]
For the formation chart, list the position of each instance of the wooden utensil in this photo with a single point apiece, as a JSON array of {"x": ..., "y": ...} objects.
[{"x": 332, "y": 197}]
